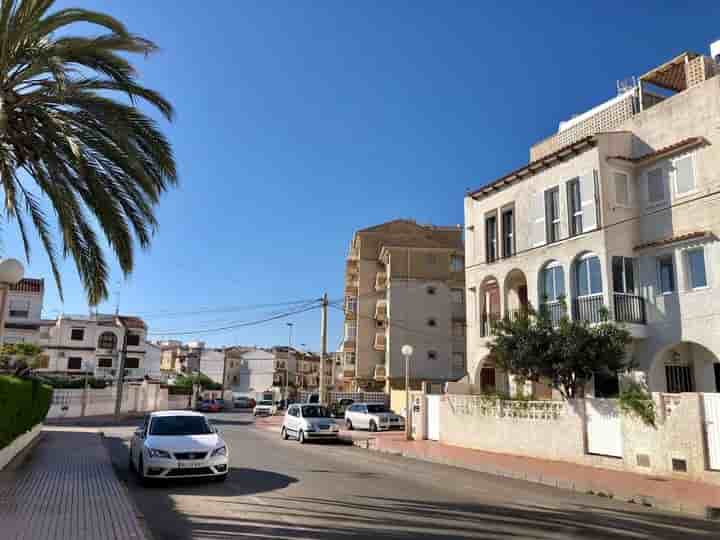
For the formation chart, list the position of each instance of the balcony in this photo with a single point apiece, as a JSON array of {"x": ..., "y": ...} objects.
[
  {"x": 487, "y": 323},
  {"x": 589, "y": 308},
  {"x": 350, "y": 314},
  {"x": 554, "y": 311},
  {"x": 348, "y": 373},
  {"x": 380, "y": 281},
  {"x": 380, "y": 341},
  {"x": 629, "y": 308},
  {"x": 379, "y": 373},
  {"x": 381, "y": 310},
  {"x": 348, "y": 345}
]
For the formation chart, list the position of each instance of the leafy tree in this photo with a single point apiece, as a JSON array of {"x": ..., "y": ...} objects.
[
  {"x": 203, "y": 380},
  {"x": 19, "y": 358},
  {"x": 65, "y": 126},
  {"x": 567, "y": 354}
]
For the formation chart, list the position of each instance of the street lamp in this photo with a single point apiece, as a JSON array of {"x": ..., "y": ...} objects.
[{"x": 407, "y": 351}]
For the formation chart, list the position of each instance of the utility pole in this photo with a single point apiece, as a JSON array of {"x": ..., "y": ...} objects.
[
  {"x": 121, "y": 370},
  {"x": 323, "y": 349},
  {"x": 287, "y": 362}
]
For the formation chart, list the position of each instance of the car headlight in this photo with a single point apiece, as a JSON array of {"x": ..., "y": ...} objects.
[
  {"x": 220, "y": 451},
  {"x": 309, "y": 427},
  {"x": 154, "y": 452}
]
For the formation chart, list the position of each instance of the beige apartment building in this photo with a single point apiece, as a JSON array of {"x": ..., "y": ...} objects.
[
  {"x": 619, "y": 209},
  {"x": 404, "y": 283}
]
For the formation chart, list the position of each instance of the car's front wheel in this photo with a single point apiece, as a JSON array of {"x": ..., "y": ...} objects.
[
  {"x": 301, "y": 437},
  {"x": 283, "y": 434},
  {"x": 373, "y": 425},
  {"x": 348, "y": 424},
  {"x": 141, "y": 473}
]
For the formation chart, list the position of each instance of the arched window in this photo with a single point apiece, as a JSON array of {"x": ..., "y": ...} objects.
[
  {"x": 588, "y": 276},
  {"x": 552, "y": 282},
  {"x": 107, "y": 340}
]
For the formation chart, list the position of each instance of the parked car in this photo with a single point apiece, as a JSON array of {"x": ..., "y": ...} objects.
[
  {"x": 209, "y": 405},
  {"x": 337, "y": 409},
  {"x": 243, "y": 402},
  {"x": 308, "y": 421},
  {"x": 372, "y": 416},
  {"x": 178, "y": 444},
  {"x": 265, "y": 408}
]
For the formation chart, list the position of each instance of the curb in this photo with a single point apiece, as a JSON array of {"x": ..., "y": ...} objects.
[
  {"x": 23, "y": 455},
  {"x": 587, "y": 487}
]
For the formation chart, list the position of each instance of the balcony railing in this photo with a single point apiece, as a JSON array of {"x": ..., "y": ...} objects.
[
  {"x": 380, "y": 281},
  {"x": 487, "y": 323},
  {"x": 554, "y": 311},
  {"x": 517, "y": 313},
  {"x": 629, "y": 308},
  {"x": 589, "y": 308},
  {"x": 380, "y": 342},
  {"x": 381, "y": 310},
  {"x": 349, "y": 345}
]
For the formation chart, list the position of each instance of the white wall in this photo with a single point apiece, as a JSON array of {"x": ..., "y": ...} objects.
[{"x": 212, "y": 362}]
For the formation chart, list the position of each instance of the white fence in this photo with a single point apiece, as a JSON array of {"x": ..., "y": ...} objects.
[{"x": 136, "y": 397}]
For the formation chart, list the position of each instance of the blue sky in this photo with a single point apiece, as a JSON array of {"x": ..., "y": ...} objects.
[{"x": 299, "y": 122}]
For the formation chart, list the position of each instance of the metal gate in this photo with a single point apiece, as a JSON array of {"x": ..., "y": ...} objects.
[
  {"x": 604, "y": 430},
  {"x": 433, "y": 416},
  {"x": 711, "y": 404}
]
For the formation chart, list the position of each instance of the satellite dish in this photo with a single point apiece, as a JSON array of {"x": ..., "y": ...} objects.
[{"x": 11, "y": 271}]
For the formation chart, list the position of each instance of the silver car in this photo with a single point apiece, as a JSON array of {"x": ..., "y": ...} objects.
[
  {"x": 372, "y": 416},
  {"x": 306, "y": 421}
]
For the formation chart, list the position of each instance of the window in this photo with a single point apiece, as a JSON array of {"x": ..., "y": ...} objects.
[
  {"x": 679, "y": 378},
  {"x": 107, "y": 340},
  {"x": 105, "y": 362},
  {"x": 77, "y": 334},
  {"x": 508, "y": 233},
  {"x": 74, "y": 362},
  {"x": 623, "y": 272},
  {"x": 684, "y": 174},
  {"x": 432, "y": 322},
  {"x": 588, "y": 278},
  {"x": 666, "y": 274},
  {"x": 379, "y": 324},
  {"x": 351, "y": 304},
  {"x": 697, "y": 278},
  {"x": 491, "y": 238},
  {"x": 622, "y": 188},
  {"x": 432, "y": 355},
  {"x": 431, "y": 290},
  {"x": 350, "y": 331},
  {"x": 19, "y": 309},
  {"x": 553, "y": 282},
  {"x": 457, "y": 263},
  {"x": 552, "y": 214},
  {"x": 576, "y": 213},
  {"x": 458, "y": 296},
  {"x": 655, "y": 186},
  {"x": 350, "y": 358},
  {"x": 235, "y": 378},
  {"x": 133, "y": 340},
  {"x": 132, "y": 363}
]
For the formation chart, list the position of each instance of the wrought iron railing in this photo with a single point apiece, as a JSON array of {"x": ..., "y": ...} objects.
[
  {"x": 630, "y": 308},
  {"x": 487, "y": 323},
  {"x": 589, "y": 308},
  {"x": 554, "y": 311}
]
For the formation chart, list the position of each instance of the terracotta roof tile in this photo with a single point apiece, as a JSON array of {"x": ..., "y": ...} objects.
[
  {"x": 674, "y": 239},
  {"x": 690, "y": 142},
  {"x": 30, "y": 285},
  {"x": 133, "y": 322}
]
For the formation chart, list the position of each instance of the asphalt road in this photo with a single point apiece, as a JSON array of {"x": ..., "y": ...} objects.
[{"x": 282, "y": 490}]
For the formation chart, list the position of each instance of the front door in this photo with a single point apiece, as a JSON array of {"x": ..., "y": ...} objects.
[{"x": 487, "y": 379}]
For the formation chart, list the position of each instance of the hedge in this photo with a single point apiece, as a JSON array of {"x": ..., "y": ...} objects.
[{"x": 24, "y": 403}]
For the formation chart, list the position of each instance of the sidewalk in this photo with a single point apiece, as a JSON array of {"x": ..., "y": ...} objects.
[
  {"x": 664, "y": 493},
  {"x": 66, "y": 490}
]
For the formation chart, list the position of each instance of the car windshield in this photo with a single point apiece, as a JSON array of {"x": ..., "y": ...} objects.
[
  {"x": 315, "y": 411},
  {"x": 179, "y": 425},
  {"x": 266, "y": 403},
  {"x": 376, "y": 408}
]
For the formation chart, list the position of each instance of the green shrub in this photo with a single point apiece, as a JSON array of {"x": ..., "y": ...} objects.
[
  {"x": 24, "y": 403},
  {"x": 637, "y": 402}
]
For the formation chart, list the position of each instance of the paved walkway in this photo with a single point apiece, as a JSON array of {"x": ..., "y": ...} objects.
[{"x": 67, "y": 489}]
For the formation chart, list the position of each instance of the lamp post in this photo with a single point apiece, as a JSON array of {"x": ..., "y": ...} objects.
[
  {"x": 11, "y": 271},
  {"x": 407, "y": 351}
]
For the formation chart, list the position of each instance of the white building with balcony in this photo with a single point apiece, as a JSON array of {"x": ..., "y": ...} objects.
[{"x": 618, "y": 210}]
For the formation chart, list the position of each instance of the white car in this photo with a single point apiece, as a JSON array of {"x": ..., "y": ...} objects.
[
  {"x": 308, "y": 421},
  {"x": 178, "y": 444},
  {"x": 265, "y": 407},
  {"x": 372, "y": 416}
]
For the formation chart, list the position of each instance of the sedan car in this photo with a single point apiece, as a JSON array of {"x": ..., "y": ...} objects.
[
  {"x": 265, "y": 407},
  {"x": 372, "y": 416},
  {"x": 243, "y": 402},
  {"x": 178, "y": 444},
  {"x": 304, "y": 422},
  {"x": 209, "y": 405}
]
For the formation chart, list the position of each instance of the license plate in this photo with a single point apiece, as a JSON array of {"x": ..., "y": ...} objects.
[
  {"x": 324, "y": 426},
  {"x": 190, "y": 465}
]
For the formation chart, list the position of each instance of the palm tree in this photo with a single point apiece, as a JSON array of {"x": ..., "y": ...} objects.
[{"x": 69, "y": 125}]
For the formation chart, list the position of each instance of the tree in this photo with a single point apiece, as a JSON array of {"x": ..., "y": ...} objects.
[
  {"x": 19, "y": 358},
  {"x": 93, "y": 156},
  {"x": 567, "y": 354}
]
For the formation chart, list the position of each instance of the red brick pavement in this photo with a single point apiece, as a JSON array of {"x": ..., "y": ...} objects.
[{"x": 66, "y": 490}]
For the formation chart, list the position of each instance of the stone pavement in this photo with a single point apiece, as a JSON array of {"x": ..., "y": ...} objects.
[
  {"x": 674, "y": 494},
  {"x": 66, "y": 489}
]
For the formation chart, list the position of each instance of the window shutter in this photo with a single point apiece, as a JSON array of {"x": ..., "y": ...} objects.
[
  {"x": 684, "y": 175},
  {"x": 588, "y": 198},
  {"x": 563, "y": 206},
  {"x": 537, "y": 219}
]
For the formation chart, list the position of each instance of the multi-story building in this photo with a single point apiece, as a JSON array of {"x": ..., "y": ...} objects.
[
  {"x": 618, "y": 211},
  {"x": 309, "y": 371},
  {"x": 404, "y": 284},
  {"x": 23, "y": 311},
  {"x": 76, "y": 344},
  {"x": 251, "y": 370}
]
